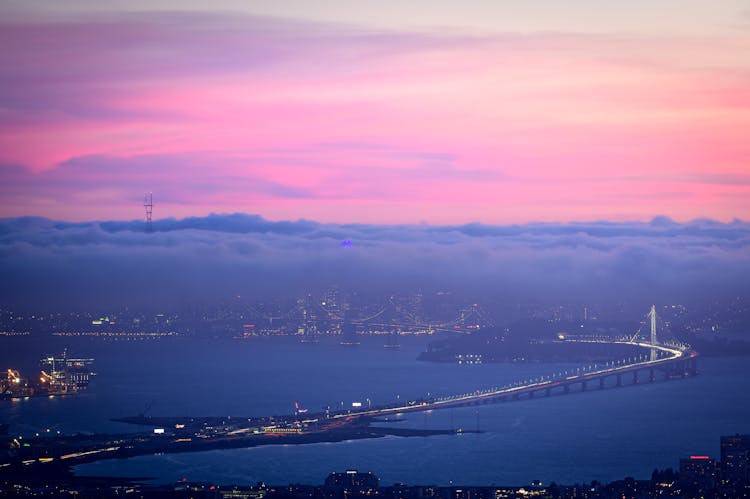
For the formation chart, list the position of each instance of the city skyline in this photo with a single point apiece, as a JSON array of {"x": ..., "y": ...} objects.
[
  {"x": 257, "y": 242},
  {"x": 402, "y": 113}
]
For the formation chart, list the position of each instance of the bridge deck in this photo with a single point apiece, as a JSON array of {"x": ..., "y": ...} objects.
[{"x": 670, "y": 354}]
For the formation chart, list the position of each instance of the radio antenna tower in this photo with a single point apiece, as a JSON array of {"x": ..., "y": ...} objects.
[{"x": 148, "y": 204}]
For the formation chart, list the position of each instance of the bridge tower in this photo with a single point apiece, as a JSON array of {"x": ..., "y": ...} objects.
[{"x": 652, "y": 315}]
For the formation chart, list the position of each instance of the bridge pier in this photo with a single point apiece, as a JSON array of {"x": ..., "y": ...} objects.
[
  {"x": 601, "y": 383},
  {"x": 652, "y": 375},
  {"x": 619, "y": 380},
  {"x": 583, "y": 385},
  {"x": 635, "y": 377},
  {"x": 566, "y": 388},
  {"x": 547, "y": 392}
]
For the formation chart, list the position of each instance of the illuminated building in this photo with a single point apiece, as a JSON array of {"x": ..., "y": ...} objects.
[
  {"x": 735, "y": 458},
  {"x": 698, "y": 472},
  {"x": 353, "y": 480}
]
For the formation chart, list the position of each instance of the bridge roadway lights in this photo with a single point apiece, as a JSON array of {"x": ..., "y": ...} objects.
[{"x": 678, "y": 365}]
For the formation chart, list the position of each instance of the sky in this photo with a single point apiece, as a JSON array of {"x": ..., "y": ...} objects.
[{"x": 376, "y": 112}]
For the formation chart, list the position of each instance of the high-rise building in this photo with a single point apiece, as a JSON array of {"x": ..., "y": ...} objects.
[
  {"x": 735, "y": 458},
  {"x": 698, "y": 472}
]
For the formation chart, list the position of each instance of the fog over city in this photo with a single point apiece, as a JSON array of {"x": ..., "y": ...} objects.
[
  {"x": 186, "y": 261},
  {"x": 327, "y": 249}
]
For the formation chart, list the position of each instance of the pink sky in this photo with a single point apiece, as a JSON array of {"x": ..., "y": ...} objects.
[{"x": 291, "y": 115}]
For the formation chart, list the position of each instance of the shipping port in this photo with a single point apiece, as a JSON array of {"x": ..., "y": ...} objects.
[{"x": 60, "y": 375}]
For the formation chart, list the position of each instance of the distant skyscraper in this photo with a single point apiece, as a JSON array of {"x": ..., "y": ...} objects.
[{"x": 335, "y": 309}]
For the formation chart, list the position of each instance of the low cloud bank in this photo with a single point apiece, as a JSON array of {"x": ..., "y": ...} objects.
[{"x": 51, "y": 264}]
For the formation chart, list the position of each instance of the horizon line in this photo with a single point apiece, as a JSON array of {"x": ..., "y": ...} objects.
[{"x": 653, "y": 220}]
